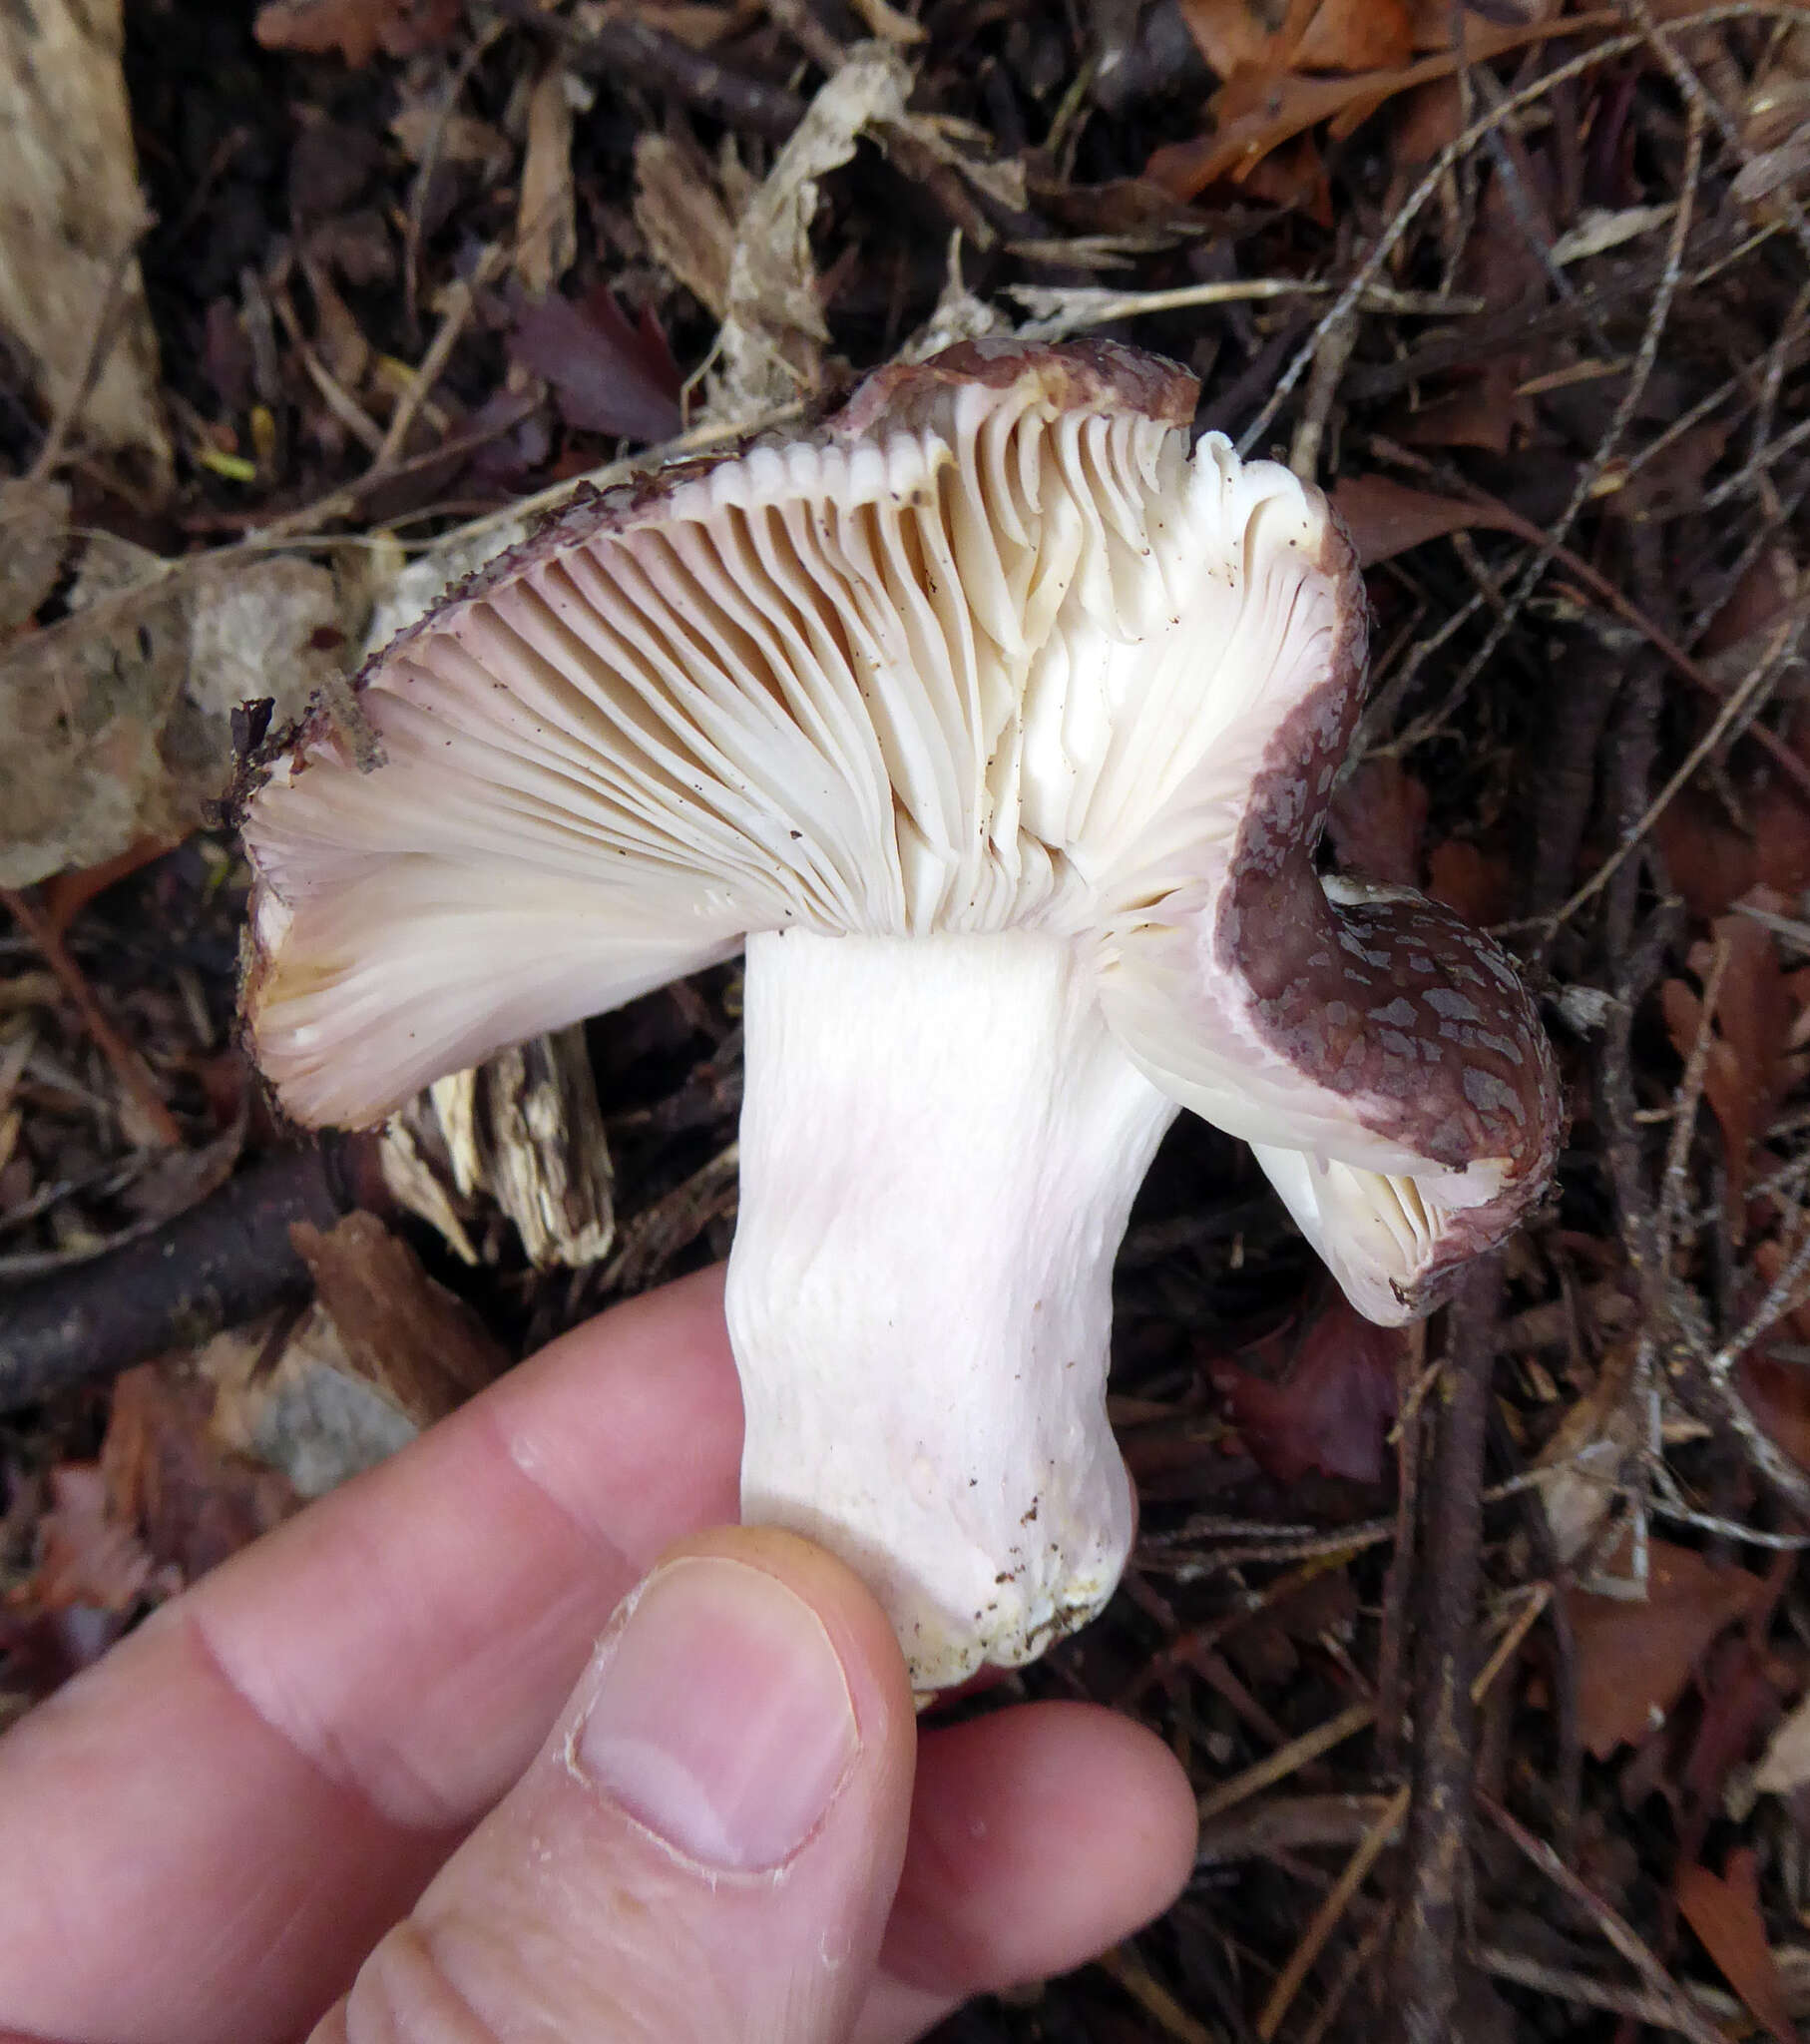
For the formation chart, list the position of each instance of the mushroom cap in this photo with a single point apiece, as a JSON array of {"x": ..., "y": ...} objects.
[{"x": 987, "y": 650}]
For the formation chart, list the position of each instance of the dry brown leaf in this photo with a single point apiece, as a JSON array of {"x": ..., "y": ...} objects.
[
  {"x": 1724, "y": 1912},
  {"x": 1356, "y": 34},
  {"x": 119, "y": 717},
  {"x": 357, "y": 29},
  {"x": 1634, "y": 1659},
  {"x": 1785, "y": 1765},
  {"x": 1479, "y": 886},
  {"x": 608, "y": 374},
  {"x": 1377, "y": 816},
  {"x": 681, "y": 212},
  {"x": 1483, "y": 412},
  {"x": 70, "y": 215},
  {"x": 546, "y": 218},
  {"x": 1257, "y": 111},
  {"x": 886, "y": 22},
  {"x": 1585, "y": 1454},
  {"x": 1778, "y": 1393},
  {"x": 86, "y": 1554},
  {"x": 1746, "y": 1072},
  {"x": 1385, "y": 517},
  {"x": 192, "y": 1504},
  {"x": 1331, "y": 1408},
  {"x": 771, "y": 342},
  {"x": 424, "y": 130},
  {"x": 34, "y": 531}
]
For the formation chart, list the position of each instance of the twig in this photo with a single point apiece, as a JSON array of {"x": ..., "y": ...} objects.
[
  {"x": 462, "y": 296},
  {"x": 1058, "y": 310},
  {"x": 1329, "y": 361},
  {"x": 620, "y": 46},
  {"x": 102, "y": 338},
  {"x": 1567, "y": 1985},
  {"x": 1398, "y": 1582},
  {"x": 1425, "y": 1982},
  {"x": 1602, "y": 454},
  {"x": 1702, "y": 102},
  {"x": 127, "y": 1066},
  {"x": 1674, "y": 1183},
  {"x": 226, "y": 1259},
  {"x": 1278, "y": 1765},
  {"x": 1682, "y": 2016},
  {"x": 424, "y": 171},
  {"x": 1358, "y": 1962},
  {"x": 1325, "y": 1919},
  {"x": 1762, "y": 675},
  {"x": 1410, "y": 210},
  {"x": 1125, "y": 1966}
]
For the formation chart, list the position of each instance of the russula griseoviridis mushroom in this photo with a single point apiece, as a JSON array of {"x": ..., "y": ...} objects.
[{"x": 1000, "y": 726}]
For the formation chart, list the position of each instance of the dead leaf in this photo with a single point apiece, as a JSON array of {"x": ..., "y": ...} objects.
[
  {"x": 1585, "y": 1454},
  {"x": 683, "y": 214},
  {"x": 1386, "y": 518},
  {"x": 424, "y": 129},
  {"x": 1378, "y": 814},
  {"x": 772, "y": 336},
  {"x": 1634, "y": 1658},
  {"x": 1479, "y": 886},
  {"x": 1258, "y": 109},
  {"x": 609, "y": 376},
  {"x": 1724, "y": 1912},
  {"x": 1785, "y": 1765},
  {"x": 546, "y": 218},
  {"x": 1778, "y": 1393},
  {"x": 34, "y": 531},
  {"x": 1356, "y": 34},
  {"x": 192, "y": 1504},
  {"x": 357, "y": 29},
  {"x": 1671, "y": 485},
  {"x": 1332, "y": 1408},
  {"x": 119, "y": 717},
  {"x": 886, "y": 22},
  {"x": 70, "y": 215},
  {"x": 1484, "y": 411},
  {"x": 1746, "y": 1073},
  {"x": 86, "y": 1555},
  {"x": 1311, "y": 35}
]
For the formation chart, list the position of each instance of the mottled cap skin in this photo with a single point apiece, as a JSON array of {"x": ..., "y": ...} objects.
[{"x": 1380, "y": 994}]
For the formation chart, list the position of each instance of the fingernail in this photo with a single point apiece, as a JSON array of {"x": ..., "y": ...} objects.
[{"x": 724, "y": 1721}]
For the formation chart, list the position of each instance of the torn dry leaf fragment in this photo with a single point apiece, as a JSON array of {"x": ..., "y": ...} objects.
[
  {"x": 71, "y": 215},
  {"x": 119, "y": 717},
  {"x": 1000, "y": 726}
]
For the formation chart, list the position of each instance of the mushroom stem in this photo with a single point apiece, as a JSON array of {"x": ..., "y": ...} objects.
[{"x": 939, "y": 1151}]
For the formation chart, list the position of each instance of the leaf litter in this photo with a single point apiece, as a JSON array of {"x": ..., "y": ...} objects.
[{"x": 1525, "y": 286}]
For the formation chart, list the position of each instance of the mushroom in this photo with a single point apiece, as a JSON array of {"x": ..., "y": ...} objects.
[{"x": 1000, "y": 726}]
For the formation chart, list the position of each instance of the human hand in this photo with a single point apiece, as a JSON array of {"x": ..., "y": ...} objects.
[{"x": 208, "y": 1837}]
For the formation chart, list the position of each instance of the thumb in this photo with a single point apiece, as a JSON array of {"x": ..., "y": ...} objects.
[{"x": 706, "y": 1849}]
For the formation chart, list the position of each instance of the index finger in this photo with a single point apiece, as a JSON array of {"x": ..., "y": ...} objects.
[{"x": 235, "y": 1802}]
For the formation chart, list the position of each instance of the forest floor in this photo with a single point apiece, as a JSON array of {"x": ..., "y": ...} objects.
[{"x": 1485, "y": 1644}]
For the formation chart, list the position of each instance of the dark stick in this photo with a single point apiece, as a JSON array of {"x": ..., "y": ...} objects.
[
  {"x": 227, "y": 1260},
  {"x": 1429, "y": 1935},
  {"x": 623, "y": 48}
]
